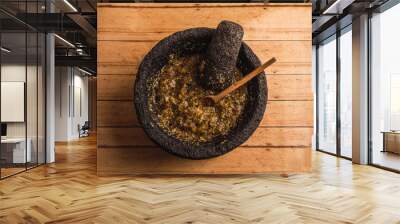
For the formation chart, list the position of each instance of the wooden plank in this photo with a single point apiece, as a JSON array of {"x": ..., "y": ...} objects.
[
  {"x": 123, "y": 52},
  {"x": 268, "y": 137},
  {"x": 278, "y": 114},
  {"x": 281, "y": 137},
  {"x": 280, "y": 87},
  {"x": 289, "y": 87},
  {"x": 288, "y": 114},
  {"x": 279, "y": 68},
  {"x": 119, "y": 87},
  {"x": 179, "y": 6},
  {"x": 132, "y": 52},
  {"x": 115, "y": 23},
  {"x": 122, "y": 136},
  {"x": 128, "y": 31},
  {"x": 116, "y": 113},
  {"x": 113, "y": 161},
  {"x": 110, "y": 69}
]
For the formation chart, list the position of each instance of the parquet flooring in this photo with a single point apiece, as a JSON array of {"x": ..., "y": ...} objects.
[
  {"x": 69, "y": 191},
  {"x": 10, "y": 171}
]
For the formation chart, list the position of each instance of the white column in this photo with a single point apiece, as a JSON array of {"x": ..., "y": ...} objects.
[
  {"x": 50, "y": 99},
  {"x": 360, "y": 90}
]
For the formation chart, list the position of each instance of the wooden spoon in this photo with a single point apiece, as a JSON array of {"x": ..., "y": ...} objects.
[{"x": 241, "y": 82}]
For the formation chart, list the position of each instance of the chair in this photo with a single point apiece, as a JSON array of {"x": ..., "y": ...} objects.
[{"x": 84, "y": 130}]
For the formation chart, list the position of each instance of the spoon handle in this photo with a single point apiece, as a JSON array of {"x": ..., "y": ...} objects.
[{"x": 244, "y": 80}]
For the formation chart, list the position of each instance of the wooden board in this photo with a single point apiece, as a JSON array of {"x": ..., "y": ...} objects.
[
  {"x": 240, "y": 161},
  {"x": 156, "y": 21},
  {"x": 126, "y": 32},
  {"x": 132, "y": 52}
]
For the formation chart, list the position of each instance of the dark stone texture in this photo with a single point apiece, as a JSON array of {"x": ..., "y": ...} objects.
[
  {"x": 221, "y": 57},
  {"x": 194, "y": 41}
]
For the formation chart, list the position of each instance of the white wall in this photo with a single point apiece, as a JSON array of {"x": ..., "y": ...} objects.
[
  {"x": 9, "y": 73},
  {"x": 62, "y": 81},
  {"x": 80, "y": 112},
  {"x": 70, "y": 83},
  {"x": 13, "y": 72},
  {"x": 16, "y": 73}
]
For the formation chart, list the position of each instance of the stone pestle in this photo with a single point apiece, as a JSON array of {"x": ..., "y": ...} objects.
[{"x": 221, "y": 57}]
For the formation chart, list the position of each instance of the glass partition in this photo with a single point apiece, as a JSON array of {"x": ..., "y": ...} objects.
[
  {"x": 14, "y": 153},
  {"x": 385, "y": 89},
  {"x": 32, "y": 87},
  {"x": 22, "y": 78},
  {"x": 346, "y": 92},
  {"x": 327, "y": 95},
  {"x": 31, "y": 99},
  {"x": 334, "y": 94},
  {"x": 41, "y": 97}
]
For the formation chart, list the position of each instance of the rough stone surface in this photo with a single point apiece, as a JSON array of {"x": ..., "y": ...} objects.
[
  {"x": 194, "y": 41},
  {"x": 221, "y": 56}
]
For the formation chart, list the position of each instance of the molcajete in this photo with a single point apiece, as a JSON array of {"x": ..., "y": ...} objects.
[{"x": 189, "y": 42}]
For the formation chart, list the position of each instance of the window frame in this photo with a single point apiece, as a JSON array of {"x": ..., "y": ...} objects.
[
  {"x": 338, "y": 34},
  {"x": 381, "y": 9},
  {"x": 29, "y": 29}
]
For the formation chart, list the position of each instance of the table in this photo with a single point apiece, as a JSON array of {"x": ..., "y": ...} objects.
[
  {"x": 13, "y": 150},
  {"x": 391, "y": 141}
]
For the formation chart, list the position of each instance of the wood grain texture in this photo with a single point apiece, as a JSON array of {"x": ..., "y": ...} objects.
[
  {"x": 265, "y": 24},
  {"x": 115, "y": 87},
  {"x": 290, "y": 87},
  {"x": 126, "y": 32},
  {"x": 239, "y": 161},
  {"x": 132, "y": 52}
]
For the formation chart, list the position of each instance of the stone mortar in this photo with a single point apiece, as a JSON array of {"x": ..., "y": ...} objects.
[{"x": 196, "y": 41}]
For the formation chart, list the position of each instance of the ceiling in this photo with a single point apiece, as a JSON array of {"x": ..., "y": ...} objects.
[
  {"x": 329, "y": 16},
  {"x": 76, "y": 20}
]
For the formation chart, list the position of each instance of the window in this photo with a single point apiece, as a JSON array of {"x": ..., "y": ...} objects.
[
  {"x": 22, "y": 77},
  {"x": 394, "y": 102},
  {"x": 346, "y": 92},
  {"x": 327, "y": 95},
  {"x": 334, "y": 73},
  {"x": 385, "y": 89}
]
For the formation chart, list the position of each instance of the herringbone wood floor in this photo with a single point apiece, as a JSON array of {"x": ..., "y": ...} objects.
[{"x": 70, "y": 192}]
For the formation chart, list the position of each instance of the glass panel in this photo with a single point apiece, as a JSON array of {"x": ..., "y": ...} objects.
[
  {"x": 327, "y": 96},
  {"x": 346, "y": 93},
  {"x": 31, "y": 100},
  {"x": 23, "y": 89},
  {"x": 385, "y": 84},
  {"x": 32, "y": 90},
  {"x": 41, "y": 98},
  {"x": 13, "y": 90}
]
